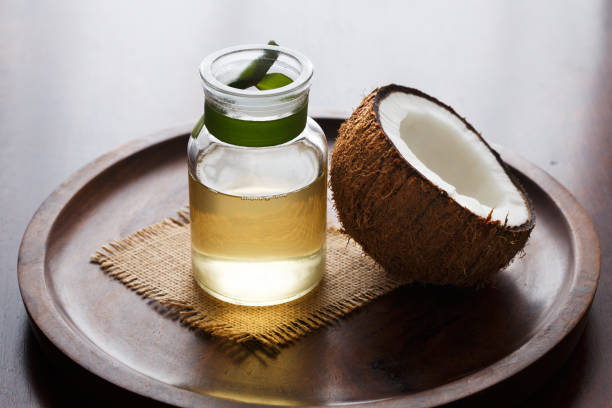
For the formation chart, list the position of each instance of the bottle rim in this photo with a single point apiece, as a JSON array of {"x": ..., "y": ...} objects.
[{"x": 299, "y": 84}]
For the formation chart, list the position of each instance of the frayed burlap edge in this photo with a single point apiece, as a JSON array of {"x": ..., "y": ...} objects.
[{"x": 276, "y": 336}]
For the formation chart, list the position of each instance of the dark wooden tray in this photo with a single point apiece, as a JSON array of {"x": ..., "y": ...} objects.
[{"x": 421, "y": 346}]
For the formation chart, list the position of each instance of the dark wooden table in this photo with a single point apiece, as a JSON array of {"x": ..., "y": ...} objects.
[{"x": 80, "y": 78}]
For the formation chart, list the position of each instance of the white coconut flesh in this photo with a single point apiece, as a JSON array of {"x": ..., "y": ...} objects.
[{"x": 441, "y": 147}]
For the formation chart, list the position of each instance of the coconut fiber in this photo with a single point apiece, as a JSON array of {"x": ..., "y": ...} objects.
[{"x": 403, "y": 221}]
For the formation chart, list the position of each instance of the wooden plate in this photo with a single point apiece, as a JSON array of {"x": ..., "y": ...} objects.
[{"x": 421, "y": 346}]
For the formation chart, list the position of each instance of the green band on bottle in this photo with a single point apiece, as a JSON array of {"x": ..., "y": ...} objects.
[{"x": 253, "y": 133}]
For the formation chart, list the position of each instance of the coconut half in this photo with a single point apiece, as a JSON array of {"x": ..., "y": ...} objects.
[{"x": 420, "y": 190}]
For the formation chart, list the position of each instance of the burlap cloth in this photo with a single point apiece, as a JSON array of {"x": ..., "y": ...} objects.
[{"x": 156, "y": 263}]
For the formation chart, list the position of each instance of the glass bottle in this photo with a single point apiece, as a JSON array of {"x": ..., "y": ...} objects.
[{"x": 257, "y": 182}]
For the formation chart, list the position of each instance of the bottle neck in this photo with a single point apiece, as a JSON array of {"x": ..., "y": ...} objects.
[
  {"x": 250, "y": 115},
  {"x": 256, "y": 120}
]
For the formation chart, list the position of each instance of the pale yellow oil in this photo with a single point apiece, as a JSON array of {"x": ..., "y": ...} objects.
[{"x": 258, "y": 245}]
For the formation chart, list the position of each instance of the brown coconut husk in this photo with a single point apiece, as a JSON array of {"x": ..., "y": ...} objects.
[{"x": 405, "y": 222}]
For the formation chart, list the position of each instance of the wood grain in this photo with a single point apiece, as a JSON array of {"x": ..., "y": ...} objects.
[
  {"x": 81, "y": 78},
  {"x": 415, "y": 345}
]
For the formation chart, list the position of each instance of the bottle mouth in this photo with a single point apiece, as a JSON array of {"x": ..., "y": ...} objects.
[{"x": 223, "y": 66}]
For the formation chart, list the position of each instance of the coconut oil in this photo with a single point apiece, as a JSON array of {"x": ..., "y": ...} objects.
[{"x": 258, "y": 244}]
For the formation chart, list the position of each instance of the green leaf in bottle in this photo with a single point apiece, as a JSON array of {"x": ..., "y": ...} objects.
[
  {"x": 273, "y": 81},
  {"x": 256, "y": 70},
  {"x": 198, "y": 127}
]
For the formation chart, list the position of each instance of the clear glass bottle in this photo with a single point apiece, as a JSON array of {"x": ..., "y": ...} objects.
[{"x": 257, "y": 182}]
